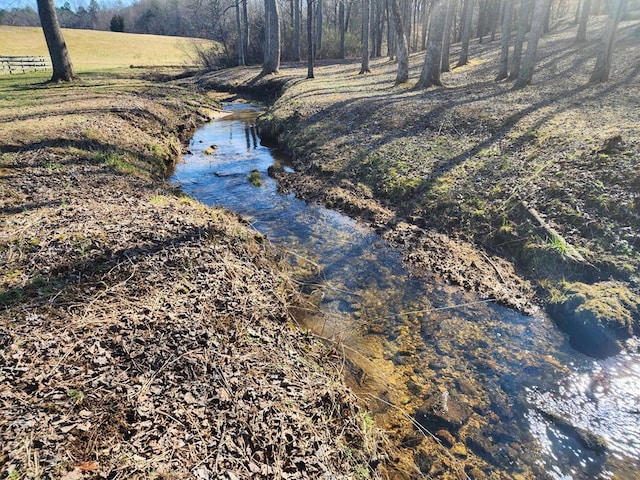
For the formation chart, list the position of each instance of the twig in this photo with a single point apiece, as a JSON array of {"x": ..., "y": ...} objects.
[
  {"x": 169, "y": 361},
  {"x": 495, "y": 267}
]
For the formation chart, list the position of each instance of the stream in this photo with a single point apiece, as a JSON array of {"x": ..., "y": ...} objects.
[{"x": 500, "y": 390}]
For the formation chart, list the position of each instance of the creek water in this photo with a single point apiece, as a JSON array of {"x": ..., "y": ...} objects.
[{"x": 486, "y": 380}]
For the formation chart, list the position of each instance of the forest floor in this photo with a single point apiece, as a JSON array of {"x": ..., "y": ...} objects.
[
  {"x": 529, "y": 197},
  {"x": 142, "y": 334}
]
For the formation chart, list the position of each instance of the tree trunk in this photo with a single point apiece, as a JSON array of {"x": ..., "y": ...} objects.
[
  {"x": 547, "y": 17},
  {"x": 272, "y": 38},
  {"x": 406, "y": 19},
  {"x": 366, "y": 27},
  {"x": 380, "y": 33},
  {"x": 391, "y": 33},
  {"x": 416, "y": 17},
  {"x": 452, "y": 5},
  {"x": 267, "y": 26},
  {"x": 341, "y": 26},
  {"x": 319, "y": 20},
  {"x": 60, "y": 60},
  {"x": 310, "y": 52},
  {"x": 240, "y": 45},
  {"x": 466, "y": 32},
  {"x": 523, "y": 23},
  {"x": 403, "y": 55},
  {"x": 425, "y": 24},
  {"x": 297, "y": 54},
  {"x": 603, "y": 61},
  {"x": 433, "y": 57},
  {"x": 581, "y": 36},
  {"x": 375, "y": 28},
  {"x": 245, "y": 20},
  {"x": 503, "y": 68},
  {"x": 494, "y": 18},
  {"x": 482, "y": 13},
  {"x": 529, "y": 60}
]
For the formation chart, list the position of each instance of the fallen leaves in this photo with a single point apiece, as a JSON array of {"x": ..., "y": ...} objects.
[{"x": 153, "y": 337}]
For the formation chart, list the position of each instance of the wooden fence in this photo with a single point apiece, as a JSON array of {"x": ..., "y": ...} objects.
[{"x": 11, "y": 65}]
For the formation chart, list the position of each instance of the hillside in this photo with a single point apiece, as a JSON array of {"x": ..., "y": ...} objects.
[
  {"x": 543, "y": 179},
  {"x": 92, "y": 49},
  {"x": 142, "y": 334}
]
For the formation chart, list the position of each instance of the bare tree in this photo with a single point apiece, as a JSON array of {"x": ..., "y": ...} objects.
[
  {"x": 581, "y": 35},
  {"x": 433, "y": 57},
  {"x": 503, "y": 67},
  {"x": 318, "y": 36},
  {"x": 483, "y": 5},
  {"x": 523, "y": 24},
  {"x": 342, "y": 28},
  {"x": 310, "y": 52},
  {"x": 402, "y": 74},
  {"x": 529, "y": 60},
  {"x": 603, "y": 61},
  {"x": 271, "y": 62},
  {"x": 245, "y": 19},
  {"x": 366, "y": 29},
  {"x": 296, "y": 30},
  {"x": 424, "y": 24},
  {"x": 466, "y": 33},
  {"x": 452, "y": 5},
  {"x": 240, "y": 45},
  {"x": 60, "y": 60}
]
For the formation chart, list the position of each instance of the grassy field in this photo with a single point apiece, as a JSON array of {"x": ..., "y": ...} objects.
[{"x": 91, "y": 50}]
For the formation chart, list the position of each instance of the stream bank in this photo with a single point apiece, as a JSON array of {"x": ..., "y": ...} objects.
[
  {"x": 534, "y": 191},
  {"x": 142, "y": 334},
  {"x": 465, "y": 387}
]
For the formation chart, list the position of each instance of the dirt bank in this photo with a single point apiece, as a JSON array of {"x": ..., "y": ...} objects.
[
  {"x": 143, "y": 335},
  {"x": 520, "y": 195}
]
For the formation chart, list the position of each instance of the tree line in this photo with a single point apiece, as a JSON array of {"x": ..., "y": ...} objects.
[{"x": 271, "y": 31}]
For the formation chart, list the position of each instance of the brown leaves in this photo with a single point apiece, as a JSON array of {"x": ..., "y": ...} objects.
[
  {"x": 157, "y": 342},
  {"x": 77, "y": 472}
]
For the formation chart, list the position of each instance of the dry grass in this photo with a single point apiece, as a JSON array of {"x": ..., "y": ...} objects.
[
  {"x": 143, "y": 335},
  {"x": 462, "y": 159},
  {"x": 97, "y": 50}
]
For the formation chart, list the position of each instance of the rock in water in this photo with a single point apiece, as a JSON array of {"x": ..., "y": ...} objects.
[{"x": 443, "y": 410}]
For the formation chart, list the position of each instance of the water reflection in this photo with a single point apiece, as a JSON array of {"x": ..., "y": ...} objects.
[
  {"x": 489, "y": 383},
  {"x": 599, "y": 407}
]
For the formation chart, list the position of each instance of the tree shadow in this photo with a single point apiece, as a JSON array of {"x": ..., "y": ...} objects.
[
  {"x": 27, "y": 207},
  {"x": 95, "y": 152},
  {"x": 47, "y": 286}
]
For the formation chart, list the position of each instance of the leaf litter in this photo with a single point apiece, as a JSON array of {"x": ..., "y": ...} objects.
[{"x": 143, "y": 335}]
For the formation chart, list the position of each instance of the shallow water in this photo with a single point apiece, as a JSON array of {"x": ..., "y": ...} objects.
[{"x": 514, "y": 392}]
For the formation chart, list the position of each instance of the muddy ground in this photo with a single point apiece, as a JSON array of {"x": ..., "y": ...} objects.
[
  {"x": 529, "y": 197},
  {"x": 143, "y": 335}
]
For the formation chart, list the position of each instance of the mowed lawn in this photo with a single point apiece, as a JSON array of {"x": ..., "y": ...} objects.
[{"x": 92, "y": 49}]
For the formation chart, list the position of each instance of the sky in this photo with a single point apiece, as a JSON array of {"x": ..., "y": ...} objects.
[{"x": 5, "y": 4}]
